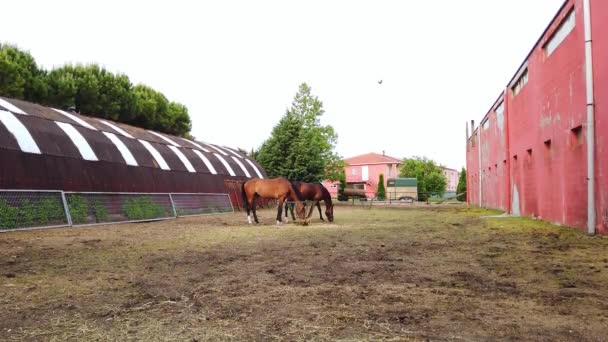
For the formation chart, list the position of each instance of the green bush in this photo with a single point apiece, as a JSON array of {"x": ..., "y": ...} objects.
[
  {"x": 79, "y": 209},
  {"x": 142, "y": 208},
  {"x": 50, "y": 210},
  {"x": 8, "y": 215},
  {"x": 28, "y": 213},
  {"x": 101, "y": 212}
]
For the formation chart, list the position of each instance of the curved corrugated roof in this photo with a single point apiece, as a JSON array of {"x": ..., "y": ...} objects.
[{"x": 31, "y": 128}]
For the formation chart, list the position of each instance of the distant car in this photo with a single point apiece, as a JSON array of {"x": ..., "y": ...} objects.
[{"x": 406, "y": 199}]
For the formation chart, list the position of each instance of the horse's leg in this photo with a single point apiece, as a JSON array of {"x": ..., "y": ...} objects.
[
  {"x": 291, "y": 206},
  {"x": 280, "y": 210},
  {"x": 255, "y": 215},
  {"x": 320, "y": 214},
  {"x": 248, "y": 207},
  {"x": 312, "y": 207},
  {"x": 286, "y": 212}
]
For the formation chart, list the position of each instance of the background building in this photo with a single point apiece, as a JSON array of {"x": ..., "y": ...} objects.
[{"x": 540, "y": 149}]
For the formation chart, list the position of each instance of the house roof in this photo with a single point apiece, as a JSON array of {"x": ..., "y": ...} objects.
[{"x": 372, "y": 158}]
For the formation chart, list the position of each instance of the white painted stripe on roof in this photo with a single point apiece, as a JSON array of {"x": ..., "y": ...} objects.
[
  {"x": 24, "y": 139},
  {"x": 11, "y": 107},
  {"x": 116, "y": 128},
  {"x": 206, "y": 161},
  {"x": 233, "y": 152},
  {"x": 183, "y": 158},
  {"x": 226, "y": 165},
  {"x": 255, "y": 168},
  {"x": 242, "y": 166},
  {"x": 75, "y": 118},
  {"x": 217, "y": 149},
  {"x": 122, "y": 148},
  {"x": 196, "y": 144},
  {"x": 165, "y": 139},
  {"x": 159, "y": 159},
  {"x": 81, "y": 143}
]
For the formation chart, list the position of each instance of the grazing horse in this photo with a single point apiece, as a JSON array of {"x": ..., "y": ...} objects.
[
  {"x": 314, "y": 192},
  {"x": 279, "y": 188}
]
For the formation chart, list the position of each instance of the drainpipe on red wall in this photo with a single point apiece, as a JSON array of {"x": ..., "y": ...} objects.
[
  {"x": 590, "y": 120},
  {"x": 505, "y": 99},
  {"x": 480, "y": 167}
]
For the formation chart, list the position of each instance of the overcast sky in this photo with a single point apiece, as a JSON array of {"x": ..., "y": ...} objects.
[{"x": 236, "y": 65}]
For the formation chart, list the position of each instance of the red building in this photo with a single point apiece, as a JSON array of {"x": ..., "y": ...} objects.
[{"x": 539, "y": 151}]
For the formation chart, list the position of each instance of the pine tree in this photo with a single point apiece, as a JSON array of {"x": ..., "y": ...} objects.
[
  {"x": 381, "y": 192},
  {"x": 341, "y": 195},
  {"x": 300, "y": 148},
  {"x": 461, "y": 189}
]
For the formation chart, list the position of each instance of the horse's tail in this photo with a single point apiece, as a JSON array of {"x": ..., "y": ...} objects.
[
  {"x": 296, "y": 190},
  {"x": 244, "y": 194}
]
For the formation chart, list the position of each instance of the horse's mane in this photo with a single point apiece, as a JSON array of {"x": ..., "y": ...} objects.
[
  {"x": 326, "y": 194},
  {"x": 296, "y": 190}
]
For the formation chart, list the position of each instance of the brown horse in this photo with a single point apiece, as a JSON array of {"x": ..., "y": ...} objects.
[
  {"x": 314, "y": 192},
  {"x": 279, "y": 188}
]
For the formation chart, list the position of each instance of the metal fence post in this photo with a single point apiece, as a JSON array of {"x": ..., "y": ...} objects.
[
  {"x": 66, "y": 208},
  {"x": 173, "y": 206}
]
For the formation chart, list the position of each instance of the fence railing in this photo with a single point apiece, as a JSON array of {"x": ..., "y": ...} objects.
[{"x": 32, "y": 209}]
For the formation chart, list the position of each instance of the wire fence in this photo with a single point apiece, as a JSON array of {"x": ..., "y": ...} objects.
[
  {"x": 405, "y": 198},
  {"x": 25, "y": 209},
  {"x": 30, "y": 209}
]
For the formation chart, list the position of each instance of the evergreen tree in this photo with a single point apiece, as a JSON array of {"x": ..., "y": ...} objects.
[
  {"x": 341, "y": 195},
  {"x": 381, "y": 192},
  {"x": 300, "y": 148},
  {"x": 91, "y": 90},
  {"x": 461, "y": 189},
  {"x": 20, "y": 76}
]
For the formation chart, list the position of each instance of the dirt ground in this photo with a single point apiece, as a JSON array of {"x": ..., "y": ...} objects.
[{"x": 440, "y": 274}]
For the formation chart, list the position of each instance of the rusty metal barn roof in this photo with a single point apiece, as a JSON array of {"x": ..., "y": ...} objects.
[{"x": 39, "y": 130}]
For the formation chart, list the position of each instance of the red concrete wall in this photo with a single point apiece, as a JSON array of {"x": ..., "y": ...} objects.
[
  {"x": 494, "y": 160},
  {"x": 538, "y": 167},
  {"x": 473, "y": 169},
  {"x": 599, "y": 23}
]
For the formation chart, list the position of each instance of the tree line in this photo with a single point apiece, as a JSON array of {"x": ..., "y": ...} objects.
[{"x": 90, "y": 90}]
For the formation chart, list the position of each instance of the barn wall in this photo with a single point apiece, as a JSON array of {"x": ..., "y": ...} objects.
[{"x": 536, "y": 165}]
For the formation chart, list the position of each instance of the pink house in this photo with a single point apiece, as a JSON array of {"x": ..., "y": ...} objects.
[
  {"x": 451, "y": 176},
  {"x": 362, "y": 172}
]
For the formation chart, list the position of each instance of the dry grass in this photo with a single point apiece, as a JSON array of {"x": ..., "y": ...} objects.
[{"x": 408, "y": 274}]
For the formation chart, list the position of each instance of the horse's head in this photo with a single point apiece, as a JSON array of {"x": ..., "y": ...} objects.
[
  {"x": 329, "y": 212},
  {"x": 301, "y": 210}
]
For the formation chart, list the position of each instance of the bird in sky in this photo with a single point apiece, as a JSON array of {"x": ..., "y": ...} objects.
[{"x": 380, "y": 82}]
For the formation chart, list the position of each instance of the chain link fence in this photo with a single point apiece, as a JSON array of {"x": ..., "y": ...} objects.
[
  {"x": 27, "y": 209},
  {"x": 21, "y": 209},
  {"x": 201, "y": 204},
  {"x": 99, "y": 208}
]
